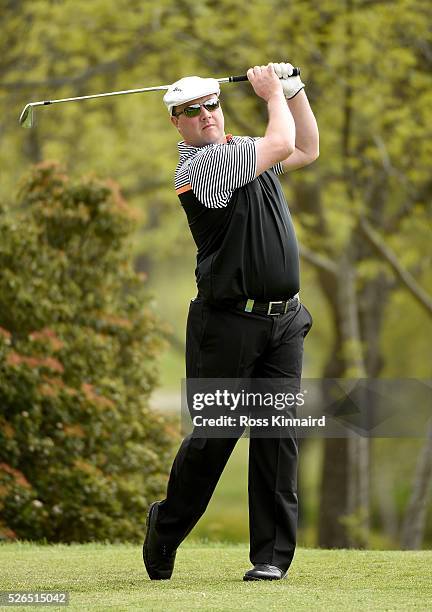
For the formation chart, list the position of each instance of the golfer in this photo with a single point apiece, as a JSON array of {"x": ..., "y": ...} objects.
[{"x": 247, "y": 320}]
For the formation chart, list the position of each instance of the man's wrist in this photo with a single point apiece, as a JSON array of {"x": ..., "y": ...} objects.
[
  {"x": 279, "y": 96},
  {"x": 290, "y": 97}
]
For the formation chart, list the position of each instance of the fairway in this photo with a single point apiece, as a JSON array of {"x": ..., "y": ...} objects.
[{"x": 209, "y": 577}]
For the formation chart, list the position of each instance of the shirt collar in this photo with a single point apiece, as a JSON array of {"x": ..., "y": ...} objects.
[{"x": 186, "y": 150}]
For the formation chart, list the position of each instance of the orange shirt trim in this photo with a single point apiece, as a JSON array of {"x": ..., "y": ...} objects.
[{"x": 183, "y": 189}]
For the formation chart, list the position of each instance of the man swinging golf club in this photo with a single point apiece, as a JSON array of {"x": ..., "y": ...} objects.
[{"x": 247, "y": 320}]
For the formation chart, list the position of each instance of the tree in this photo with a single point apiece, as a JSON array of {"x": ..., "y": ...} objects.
[
  {"x": 81, "y": 454},
  {"x": 367, "y": 181},
  {"x": 366, "y": 66}
]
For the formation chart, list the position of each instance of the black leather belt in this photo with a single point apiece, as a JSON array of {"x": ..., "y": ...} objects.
[{"x": 274, "y": 308}]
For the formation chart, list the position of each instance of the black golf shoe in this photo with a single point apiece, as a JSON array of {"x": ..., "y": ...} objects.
[
  {"x": 263, "y": 571},
  {"x": 158, "y": 557}
]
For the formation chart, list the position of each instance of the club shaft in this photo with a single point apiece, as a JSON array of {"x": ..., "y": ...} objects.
[
  {"x": 231, "y": 79},
  {"x": 102, "y": 95},
  {"x": 26, "y": 117}
]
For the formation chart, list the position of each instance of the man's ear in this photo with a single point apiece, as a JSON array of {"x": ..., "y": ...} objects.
[{"x": 175, "y": 123}]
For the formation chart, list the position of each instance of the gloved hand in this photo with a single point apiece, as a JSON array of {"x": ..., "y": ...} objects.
[{"x": 292, "y": 85}]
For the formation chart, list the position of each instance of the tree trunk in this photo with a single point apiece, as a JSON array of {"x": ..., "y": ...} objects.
[
  {"x": 334, "y": 479},
  {"x": 333, "y": 494},
  {"x": 415, "y": 516},
  {"x": 357, "y": 519},
  {"x": 344, "y": 519},
  {"x": 31, "y": 146}
]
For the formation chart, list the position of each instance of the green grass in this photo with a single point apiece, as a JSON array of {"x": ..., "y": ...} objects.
[{"x": 209, "y": 577}]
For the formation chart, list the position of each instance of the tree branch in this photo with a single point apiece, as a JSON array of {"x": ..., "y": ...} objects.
[
  {"x": 318, "y": 260},
  {"x": 419, "y": 294},
  {"x": 128, "y": 59}
]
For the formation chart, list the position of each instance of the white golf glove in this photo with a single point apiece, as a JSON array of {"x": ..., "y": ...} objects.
[{"x": 291, "y": 85}]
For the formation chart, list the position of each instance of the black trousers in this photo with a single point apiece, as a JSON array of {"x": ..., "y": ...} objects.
[{"x": 234, "y": 344}]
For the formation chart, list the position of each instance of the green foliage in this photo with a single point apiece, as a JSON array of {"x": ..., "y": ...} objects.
[
  {"x": 81, "y": 455},
  {"x": 367, "y": 69},
  {"x": 366, "y": 66}
]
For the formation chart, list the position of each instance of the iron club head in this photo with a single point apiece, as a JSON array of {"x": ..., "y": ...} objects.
[{"x": 26, "y": 117}]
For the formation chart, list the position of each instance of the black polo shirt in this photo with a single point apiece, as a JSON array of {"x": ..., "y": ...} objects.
[{"x": 241, "y": 225}]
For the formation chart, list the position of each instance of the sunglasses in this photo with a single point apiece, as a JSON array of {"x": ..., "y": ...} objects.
[{"x": 195, "y": 109}]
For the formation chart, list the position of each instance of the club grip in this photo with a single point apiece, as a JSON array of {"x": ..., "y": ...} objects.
[{"x": 243, "y": 77}]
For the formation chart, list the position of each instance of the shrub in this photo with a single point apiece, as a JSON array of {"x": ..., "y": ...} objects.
[{"x": 81, "y": 454}]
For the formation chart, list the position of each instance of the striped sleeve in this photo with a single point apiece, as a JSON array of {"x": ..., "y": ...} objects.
[
  {"x": 220, "y": 169},
  {"x": 278, "y": 168}
]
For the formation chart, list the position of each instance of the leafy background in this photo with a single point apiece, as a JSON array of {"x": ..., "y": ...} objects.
[{"x": 367, "y": 69}]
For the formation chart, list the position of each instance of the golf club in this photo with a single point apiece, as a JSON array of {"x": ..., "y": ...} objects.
[{"x": 27, "y": 116}]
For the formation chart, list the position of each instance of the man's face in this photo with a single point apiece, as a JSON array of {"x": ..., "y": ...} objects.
[{"x": 207, "y": 128}]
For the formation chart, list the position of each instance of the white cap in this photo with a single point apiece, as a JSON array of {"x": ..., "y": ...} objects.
[{"x": 189, "y": 88}]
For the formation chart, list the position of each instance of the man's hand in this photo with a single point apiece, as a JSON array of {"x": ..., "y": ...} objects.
[
  {"x": 291, "y": 85},
  {"x": 278, "y": 142},
  {"x": 265, "y": 82}
]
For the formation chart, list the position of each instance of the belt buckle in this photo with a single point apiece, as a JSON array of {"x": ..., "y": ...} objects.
[{"x": 269, "y": 312}]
